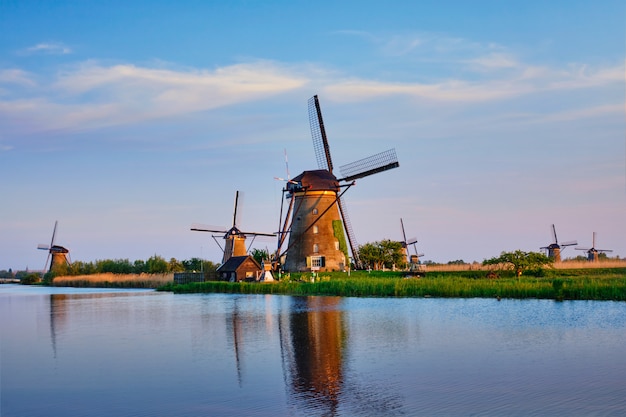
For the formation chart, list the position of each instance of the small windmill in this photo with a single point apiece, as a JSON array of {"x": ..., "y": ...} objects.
[
  {"x": 235, "y": 244},
  {"x": 60, "y": 255},
  {"x": 405, "y": 246},
  {"x": 592, "y": 252},
  {"x": 317, "y": 217},
  {"x": 554, "y": 249}
]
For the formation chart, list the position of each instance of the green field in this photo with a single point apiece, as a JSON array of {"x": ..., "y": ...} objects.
[{"x": 558, "y": 284}]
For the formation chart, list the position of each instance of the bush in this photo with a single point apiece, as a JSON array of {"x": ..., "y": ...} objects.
[{"x": 31, "y": 279}]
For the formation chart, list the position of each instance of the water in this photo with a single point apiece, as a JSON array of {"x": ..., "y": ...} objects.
[{"x": 73, "y": 352}]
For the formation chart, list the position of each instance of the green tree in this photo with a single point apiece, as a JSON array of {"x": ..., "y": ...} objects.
[
  {"x": 385, "y": 253},
  {"x": 175, "y": 266},
  {"x": 6, "y": 274},
  {"x": 139, "y": 266},
  {"x": 520, "y": 261},
  {"x": 156, "y": 265},
  {"x": 260, "y": 254},
  {"x": 193, "y": 265}
]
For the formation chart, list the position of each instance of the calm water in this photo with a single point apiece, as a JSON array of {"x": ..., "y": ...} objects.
[{"x": 70, "y": 352}]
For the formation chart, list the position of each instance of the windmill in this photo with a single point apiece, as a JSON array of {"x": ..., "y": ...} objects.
[
  {"x": 316, "y": 218},
  {"x": 554, "y": 249},
  {"x": 235, "y": 244},
  {"x": 592, "y": 252},
  {"x": 60, "y": 255},
  {"x": 405, "y": 246}
]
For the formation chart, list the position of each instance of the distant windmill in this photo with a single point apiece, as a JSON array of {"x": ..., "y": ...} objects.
[
  {"x": 405, "y": 246},
  {"x": 554, "y": 249},
  {"x": 235, "y": 244},
  {"x": 592, "y": 252},
  {"x": 317, "y": 217},
  {"x": 60, "y": 255}
]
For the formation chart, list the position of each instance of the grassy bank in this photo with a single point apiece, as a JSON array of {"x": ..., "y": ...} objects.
[
  {"x": 109, "y": 280},
  {"x": 574, "y": 284}
]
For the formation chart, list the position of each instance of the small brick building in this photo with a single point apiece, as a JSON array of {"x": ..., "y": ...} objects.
[{"x": 239, "y": 268}]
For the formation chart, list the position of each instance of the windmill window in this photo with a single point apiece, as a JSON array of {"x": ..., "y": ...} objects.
[
  {"x": 316, "y": 248},
  {"x": 336, "y": 245},
  {"x": 316, "y": 229},
  {"x": 314, "y": 211},
  {"x": 318, "y": 262}
]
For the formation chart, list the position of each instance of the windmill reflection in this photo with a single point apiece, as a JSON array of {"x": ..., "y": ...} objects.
[{"x": 312, "y": 342}]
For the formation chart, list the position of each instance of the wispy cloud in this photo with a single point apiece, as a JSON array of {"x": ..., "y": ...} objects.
[
  {"x": 51, "y": 48},
  {"x": 526, "y": 80},
  {"x": 93, "y": 95},
  {"x": 16, "y": 76},
  {"x": 494, "y": 60}
]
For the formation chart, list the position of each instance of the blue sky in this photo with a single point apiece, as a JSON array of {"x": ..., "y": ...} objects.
[{"x": 128, "y": 121}]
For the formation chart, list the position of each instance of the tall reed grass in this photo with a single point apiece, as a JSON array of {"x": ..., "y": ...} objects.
[
  {"x": 110, "y": 280},
  {"x": 605, "y": 286},
  {"x": 574, "y": 264}
]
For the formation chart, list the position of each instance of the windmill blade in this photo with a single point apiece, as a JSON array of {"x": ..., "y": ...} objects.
[
  {"x": 287, "y": 165},
  {"x": 585, "y": 249},
  {"x": 282, "y": 233},
  {"x": 54, "y": 232},
  {"x": 412, "y": 241},
  {"x": 569, "y": 243},
  {"x": 554, "y": 235},
  {"x": 45, "y": 267},
  {"x": 348, "y": 227},
  {"x": 593, "y": 241},
  {"x": 371, "y": 165},
  {"x": 43, "y": 246},
  {"x": 235, "y": 210},
  {"x": 318, "y": 133},
  {"x": 196, "y": 227},
  {"x": 403, "y": 234},
  {"x": 258, "y": 234},
  {"x": 284, "y": 180},
  {"x": 604, "y": 250}
]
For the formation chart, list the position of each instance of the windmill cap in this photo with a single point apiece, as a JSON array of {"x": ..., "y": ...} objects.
[{"x": 317, "y": 180}]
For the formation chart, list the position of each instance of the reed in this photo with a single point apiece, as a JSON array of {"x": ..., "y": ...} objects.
[
  {"x": 607, "y": 285},
  {"x": 567, "y": 264},
  {"x": 110, "y": 280}
]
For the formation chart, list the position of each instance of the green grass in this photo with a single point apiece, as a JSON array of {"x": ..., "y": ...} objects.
[{"x": 600, "y": 284}]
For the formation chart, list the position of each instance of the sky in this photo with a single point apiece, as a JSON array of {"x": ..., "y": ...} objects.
[{"x": 128, "y": 121}]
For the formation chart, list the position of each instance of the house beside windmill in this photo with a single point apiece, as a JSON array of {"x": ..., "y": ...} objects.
[{"x": 239, "y": 268}]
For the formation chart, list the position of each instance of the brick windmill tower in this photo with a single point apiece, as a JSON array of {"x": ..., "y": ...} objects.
[
  {"x": 60, "y": 255},
  {"x": 234, "y": 238},
  {"x": 316, "y": 218}
]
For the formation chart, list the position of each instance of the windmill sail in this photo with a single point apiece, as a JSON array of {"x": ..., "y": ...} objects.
[
  {"x": 318, "y": 132},
  {"x": 351, "y": 237},
  {"x": 371, "y": 165}
]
